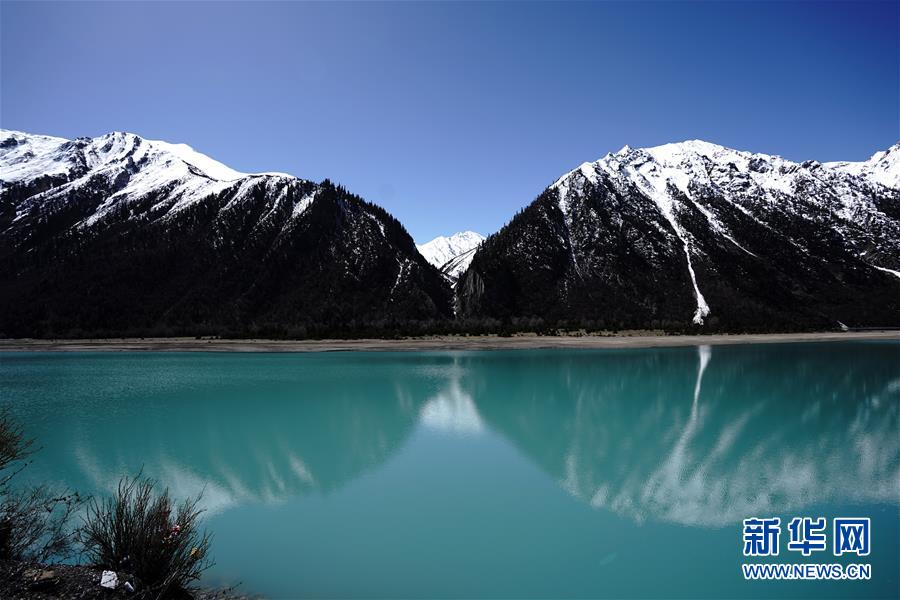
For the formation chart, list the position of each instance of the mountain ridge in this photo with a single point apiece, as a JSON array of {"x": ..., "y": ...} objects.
[
  {"x": 118, "y": 234},
  {"x": 610, "y": 235}
]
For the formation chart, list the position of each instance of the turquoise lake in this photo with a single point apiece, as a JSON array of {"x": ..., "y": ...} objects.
[{"x": 557, "y": 473}]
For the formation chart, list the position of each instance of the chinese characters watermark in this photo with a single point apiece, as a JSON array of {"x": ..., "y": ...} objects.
[{"x": 807, "y": 535}]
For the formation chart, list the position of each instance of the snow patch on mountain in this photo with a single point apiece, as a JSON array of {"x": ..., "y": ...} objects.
[
  {"x": 891, "y": 271},
  {"x": 303, "y": 204},
  {"x": 656, "y": 188}
]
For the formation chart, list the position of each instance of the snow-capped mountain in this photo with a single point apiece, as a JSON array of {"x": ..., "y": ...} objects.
[
  {"x": 123, "y": 234},
  {"x": 137, "y": 167},
  {"x": 451, "y": 255},
  {"x": 698, "y": 233},
  {"x": 119, "y": 234}
]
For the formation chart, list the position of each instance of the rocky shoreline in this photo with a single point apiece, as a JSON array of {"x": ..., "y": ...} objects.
[
  {"x": 23, "y": 581},
  {"x": 637, "y": 339}
]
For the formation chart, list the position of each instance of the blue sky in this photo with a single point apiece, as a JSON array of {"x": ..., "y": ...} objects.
[{"x": 455, "y": 115}]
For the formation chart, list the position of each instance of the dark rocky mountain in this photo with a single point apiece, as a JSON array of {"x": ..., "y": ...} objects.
[
  {"x": 693, "y": 234},
  {"x": 119, "y": 235}
]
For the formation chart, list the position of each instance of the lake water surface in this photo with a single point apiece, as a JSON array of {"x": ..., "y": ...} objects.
[{"x": 590, "y": 473}]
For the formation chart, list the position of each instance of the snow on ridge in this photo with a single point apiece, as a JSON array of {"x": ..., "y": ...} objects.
[
  {"x": 883, "y": 167},
  {"x": 35, "y": 155},
  {"x": 213, "y": 168},
  {"x": 143, "y": 166},
  {"x": 770, "y": 172},
  {"x": 24, "y": 156},
  {"x": 23, "y": 136}
]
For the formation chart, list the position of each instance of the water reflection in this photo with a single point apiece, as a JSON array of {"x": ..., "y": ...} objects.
[
  {"x": 453, "y": 409},
  {"x": 753, "y": 430},
  {"x": 240, "y": 435},
  {"x": 695, "y": 436},
  {"x": 253, "y": 453},
  {"x": 704, "y": 352}
]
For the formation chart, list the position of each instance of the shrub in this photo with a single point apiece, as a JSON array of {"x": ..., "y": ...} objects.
[
  {"x": 136, "y": 532},
  {"x": 13, "y": 445},
  {"x": 34, "y": 523}
]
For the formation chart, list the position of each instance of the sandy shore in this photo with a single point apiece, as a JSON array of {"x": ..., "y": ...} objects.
[{"x": 430, "y": 343}]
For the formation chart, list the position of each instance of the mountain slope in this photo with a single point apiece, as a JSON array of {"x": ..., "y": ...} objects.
[
  {"x": 451, "y": 255},
  {"x": 695, "y": 233},
  {"x": 119, "y": 234}
]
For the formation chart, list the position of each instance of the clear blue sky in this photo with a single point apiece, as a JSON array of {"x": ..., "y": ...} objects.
[{"x": 454, "y": 116}]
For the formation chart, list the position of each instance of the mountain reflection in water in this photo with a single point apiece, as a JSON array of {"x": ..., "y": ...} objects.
[{"x": 695, "y": 436}]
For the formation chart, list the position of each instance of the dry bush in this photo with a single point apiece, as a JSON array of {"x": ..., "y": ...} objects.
[
  {"x": 34, "y": 523},
  {"x": 138, "y": 532},
  {"x": 14, "y": 448}
]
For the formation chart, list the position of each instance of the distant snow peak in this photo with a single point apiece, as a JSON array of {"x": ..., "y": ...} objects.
[{"x": 451, "y": 255}]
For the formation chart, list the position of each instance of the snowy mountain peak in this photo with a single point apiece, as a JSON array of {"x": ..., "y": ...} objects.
[
  {"x": 211, "y": 168},
  {"x": 26, "y": 156},
  {"x": 452, "y": 254},
  {"x": 132, "y": 168},
  {"x": 697, "y": 164},
  {"x": 699, "y": 205}
]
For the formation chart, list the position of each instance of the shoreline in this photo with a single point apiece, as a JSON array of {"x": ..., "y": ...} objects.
[{"x": 519, "y": 342}]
